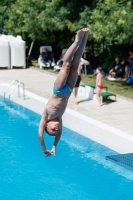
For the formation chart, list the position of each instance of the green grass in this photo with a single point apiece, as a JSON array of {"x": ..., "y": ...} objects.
[{"x": 117, "y": 86}]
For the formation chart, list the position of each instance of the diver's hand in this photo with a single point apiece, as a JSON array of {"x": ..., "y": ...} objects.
[
  {"x": 47, "y": 152},
  {"x": 53, "y": 150}
]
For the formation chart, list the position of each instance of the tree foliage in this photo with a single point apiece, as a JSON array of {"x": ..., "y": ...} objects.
[
  {"x": 4, "y": 5},
  {"x": 113, "y": 20},
  {"x": 57, "y": 20},
  {"x": 43, "y": 19}
]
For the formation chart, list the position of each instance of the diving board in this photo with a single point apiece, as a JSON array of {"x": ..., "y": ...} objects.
[{"x": 124, "y": 160}]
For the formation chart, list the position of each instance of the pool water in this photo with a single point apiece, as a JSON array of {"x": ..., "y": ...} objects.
[{"x": 79, "y": 171}]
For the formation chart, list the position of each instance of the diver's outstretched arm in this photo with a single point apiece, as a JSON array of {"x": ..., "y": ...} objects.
[{"x": 57, "y": 138}]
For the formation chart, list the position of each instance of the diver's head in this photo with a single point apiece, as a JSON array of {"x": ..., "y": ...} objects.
[{"x": 53, "y": 127}]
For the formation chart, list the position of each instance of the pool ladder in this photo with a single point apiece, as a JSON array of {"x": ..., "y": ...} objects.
[{"x": 16, "y": 86}]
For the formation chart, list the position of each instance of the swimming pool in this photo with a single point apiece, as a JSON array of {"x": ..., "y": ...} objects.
[{"x": 79, "y": 171}]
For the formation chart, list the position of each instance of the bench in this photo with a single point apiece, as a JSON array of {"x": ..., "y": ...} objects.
[
  {"x": 81, "y": 90},
  {"x": 82, "y": 85},
  {"x": 86, "y": 91},
  {"x": 93, "y": 86},
  {"x": 108, "y": 94}
]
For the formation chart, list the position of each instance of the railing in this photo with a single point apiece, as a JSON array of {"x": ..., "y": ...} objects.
[
  {"x": 9, "y": 88},
  {"x": 16, "y": 86}
]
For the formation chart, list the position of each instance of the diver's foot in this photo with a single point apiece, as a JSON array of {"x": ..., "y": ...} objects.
[
  {"x": 79, "y": 36},
  {"x": 85, "y": 38}
]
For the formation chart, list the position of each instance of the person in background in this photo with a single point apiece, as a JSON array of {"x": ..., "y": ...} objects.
[
  {"x": 124, "y": 66},
  {"x": 60, "y": 62},
  {"x": 116, "y": 70},
  {"x": 129, "y": 68},
  {"x": 46, "y": 56},
  {"x": 75, "y": 89},
  {"x": 99, "y": 85}
]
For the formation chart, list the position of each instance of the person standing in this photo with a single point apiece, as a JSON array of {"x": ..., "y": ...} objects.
[
  {"x": 75, "y": 89},
  {"x": 99, "y": 85}
]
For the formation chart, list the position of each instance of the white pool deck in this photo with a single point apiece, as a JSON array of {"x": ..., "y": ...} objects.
[{"x": 110, "y": 125}]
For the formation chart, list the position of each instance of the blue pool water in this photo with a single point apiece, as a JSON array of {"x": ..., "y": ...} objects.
[{"x": 79, "y": 171}]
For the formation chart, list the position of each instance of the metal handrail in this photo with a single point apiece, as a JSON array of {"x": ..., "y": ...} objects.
[
  {"x": 16, "y": 86},
  {"x": 9, "y": 88},
  {"x": 20, "y": 83}
]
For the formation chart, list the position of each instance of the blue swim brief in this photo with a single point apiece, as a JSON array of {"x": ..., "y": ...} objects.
[{"x": 65, "y": 90}]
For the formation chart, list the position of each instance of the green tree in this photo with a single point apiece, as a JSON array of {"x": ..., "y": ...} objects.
[
  {"x": 23, "y": 18},
  {"x": 45, "y": 20},
  {"x": 4, "y": 5},
  {"x": 112, "y": 20}
]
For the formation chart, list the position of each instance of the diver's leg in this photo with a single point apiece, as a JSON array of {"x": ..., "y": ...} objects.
[
  {"x": 64, "y": 72},
  {"x": 76, "y": 59}
]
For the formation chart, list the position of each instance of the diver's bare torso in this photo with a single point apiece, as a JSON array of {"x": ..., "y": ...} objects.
[{"x": 56, "y": 106}]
